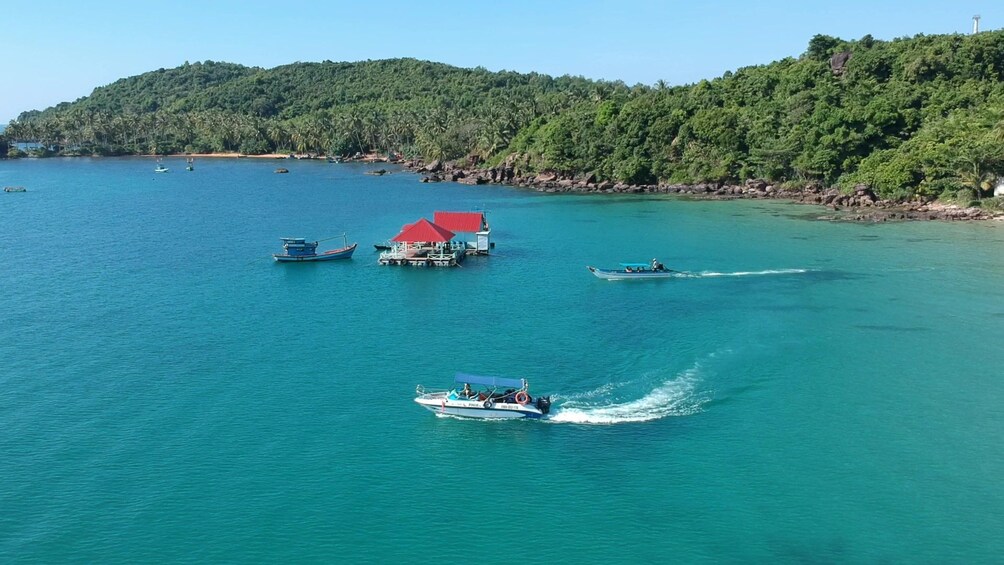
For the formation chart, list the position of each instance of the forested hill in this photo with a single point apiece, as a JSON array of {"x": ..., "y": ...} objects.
[
  {"x": 416, "y": 107},
  {"x": 915, "y": 115},
  {"x": 300, "y": 89}
]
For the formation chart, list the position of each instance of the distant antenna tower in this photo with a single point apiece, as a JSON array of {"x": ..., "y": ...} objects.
[{"x": 976, "y": 23}]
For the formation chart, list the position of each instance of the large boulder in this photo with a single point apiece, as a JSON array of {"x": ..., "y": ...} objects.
[
  {"x": 838, "y": 62},
  {"x": 546, "y": 176},
  {"x": 472, "y": 180}
]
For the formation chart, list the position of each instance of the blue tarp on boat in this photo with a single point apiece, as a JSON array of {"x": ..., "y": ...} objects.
[{"x": 499, "y": 382}]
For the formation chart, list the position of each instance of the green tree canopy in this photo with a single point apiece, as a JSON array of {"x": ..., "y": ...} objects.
[{"x": 917, "y": 115}]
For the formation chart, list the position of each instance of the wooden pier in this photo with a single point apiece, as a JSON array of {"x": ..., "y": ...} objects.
[
  {"x": 416, "y": 256},
  {"x": 428, "y": 244}
]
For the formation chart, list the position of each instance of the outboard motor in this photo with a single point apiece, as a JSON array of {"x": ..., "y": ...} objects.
[{"x": 544, "y": 404}]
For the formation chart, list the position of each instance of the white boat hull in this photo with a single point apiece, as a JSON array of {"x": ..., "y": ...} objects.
[
  {"x": 617, "y": 275},
  {"x": 476, "y": 408}
]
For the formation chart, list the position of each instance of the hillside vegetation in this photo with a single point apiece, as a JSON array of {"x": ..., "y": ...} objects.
[{"x": 914, "y": 116}]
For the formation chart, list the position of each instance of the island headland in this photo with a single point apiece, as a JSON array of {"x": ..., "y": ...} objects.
[{"x": 908, "y": 128}]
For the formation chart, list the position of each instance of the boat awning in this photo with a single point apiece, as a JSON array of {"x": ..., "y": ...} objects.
[
  {"x": 423, "y": 230},
  {"x": 464, "y": 222},
  {"x": 644, "y": 265},
  {"x": 500, "y": 382}
]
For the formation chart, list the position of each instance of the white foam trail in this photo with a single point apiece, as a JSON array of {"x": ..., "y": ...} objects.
[
  {"x": 599, "y": 391},
  {"x": 675, "y": 397},
  {"x": 753, "y": 273}
]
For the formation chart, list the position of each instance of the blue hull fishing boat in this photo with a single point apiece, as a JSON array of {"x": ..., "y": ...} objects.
[
  {"x": 298, "y": 250},
  {"x": 637, "y": 271},
  {"x": 499, "y": 398}
]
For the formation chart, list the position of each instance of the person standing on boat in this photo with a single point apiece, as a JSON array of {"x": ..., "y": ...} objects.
[
  {"x": 467, "y": 392},
  {"x": 655, "y": 264}
]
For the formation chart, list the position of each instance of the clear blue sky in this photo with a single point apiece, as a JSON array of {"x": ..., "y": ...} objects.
[{"x": 60, "y": 51}]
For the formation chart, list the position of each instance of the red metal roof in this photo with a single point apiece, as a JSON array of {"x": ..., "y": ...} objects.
[
  {"x": 467, "y": 222},
  {"x": 423, "y": 230}
]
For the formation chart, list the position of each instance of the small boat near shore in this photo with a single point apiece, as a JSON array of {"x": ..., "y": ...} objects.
[
  {"x": 298, "y": 250},
  {"x": 161, "y": 168},
  {"x": 635, "y": 271},
  {"x": 497, "y": 398}
]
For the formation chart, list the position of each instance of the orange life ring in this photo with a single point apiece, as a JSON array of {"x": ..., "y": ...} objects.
[{"x": 522, "y": 397}]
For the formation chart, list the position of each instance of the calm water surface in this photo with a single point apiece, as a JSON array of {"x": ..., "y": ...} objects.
[{"x": 821, "y": 392}]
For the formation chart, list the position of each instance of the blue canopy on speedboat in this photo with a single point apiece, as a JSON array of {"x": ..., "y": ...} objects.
[
  {"x": 633, "y": 265},
  {"x": 500, "y": 382}
]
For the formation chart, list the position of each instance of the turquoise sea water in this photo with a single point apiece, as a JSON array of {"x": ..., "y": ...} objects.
[{"x": 823, "y": 392}]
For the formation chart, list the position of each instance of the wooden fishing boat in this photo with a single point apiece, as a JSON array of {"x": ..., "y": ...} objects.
[{"x": 298, "y": 250}]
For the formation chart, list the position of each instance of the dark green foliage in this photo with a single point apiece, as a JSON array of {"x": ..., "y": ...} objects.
[
  {"x": 406, "y": 105},
  {"x": 822, "y": 46},
  {"x": 3, "y": 146},
  {"x": 922, "y": 115},
  {"x": 911, "y": 116}
]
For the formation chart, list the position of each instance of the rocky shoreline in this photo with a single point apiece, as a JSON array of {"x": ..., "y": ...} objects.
[{"x": 861, "y": 206}]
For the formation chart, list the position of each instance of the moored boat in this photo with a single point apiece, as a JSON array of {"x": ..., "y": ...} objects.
[
  {"x": 298, "y": 249},
  {"x": 498, "y": 398},
  {"x": 161, "y": 168},
  {"x": 628, "y": 271},
  {"x": 14, "y": 189}
]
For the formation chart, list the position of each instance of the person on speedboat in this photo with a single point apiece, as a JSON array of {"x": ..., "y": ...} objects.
[
  {"x": 656, "y": 265},
  {"x": 467, "y": 392}
]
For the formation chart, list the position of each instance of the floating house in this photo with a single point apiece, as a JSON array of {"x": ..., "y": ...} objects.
[
  {"x": 467, "y": 223},
  {"x": 424, "y": 244}
]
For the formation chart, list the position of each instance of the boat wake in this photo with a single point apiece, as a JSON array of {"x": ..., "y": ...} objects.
[
  {"x": 709, "y": 274},
  {"x": 675, "y": 397}
]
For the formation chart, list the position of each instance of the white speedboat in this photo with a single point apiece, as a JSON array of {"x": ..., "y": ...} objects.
[
  {"x": 637, "y": 271},
  {"x": 495, "y": 397}
]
